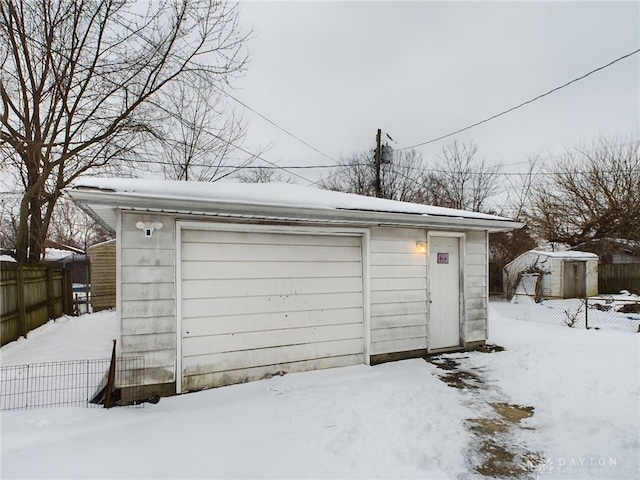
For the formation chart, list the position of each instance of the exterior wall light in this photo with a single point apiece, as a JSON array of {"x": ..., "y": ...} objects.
[
  {"x": 422, "y": 247},
  {"x": 148, "y": 227}
]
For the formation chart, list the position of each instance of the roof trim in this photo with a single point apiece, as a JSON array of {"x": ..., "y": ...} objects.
[{"x": 91, "y": 199}]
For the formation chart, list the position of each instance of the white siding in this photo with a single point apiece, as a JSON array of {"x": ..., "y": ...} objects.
[
  {"x": 592, "y": 277},
  {"x": 248, "y": 312},
  {"x": 398, "y": 291},
  {"x": 147, "y": 296},
  {"x": 552, "y": 282},
  {"x": 475, "y": 287}
]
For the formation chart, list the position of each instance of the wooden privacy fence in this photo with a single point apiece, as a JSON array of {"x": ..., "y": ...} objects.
[
  {"x": 613, "y": 277},
  {"x": 31, "y": 295}
]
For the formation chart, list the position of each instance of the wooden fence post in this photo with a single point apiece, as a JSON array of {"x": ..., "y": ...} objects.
[
  {"x": 67, "y": 291},
  {"x": 51, "y": 299},
  {"x": 22, "y": 307}
]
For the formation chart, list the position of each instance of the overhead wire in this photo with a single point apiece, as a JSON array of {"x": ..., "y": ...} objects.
[
  {"x": 564, "y": 155},
  {"x": 273, "y": 165},
  {"x": 509, "y": 110},
  {"x": 224, "y": 92},
  {"x": 256, "y": 167},
  {"x": 253, "y": 155}
]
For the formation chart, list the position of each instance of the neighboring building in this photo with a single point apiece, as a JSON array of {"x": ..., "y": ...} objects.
[
  {"x": 567, "y": 274},
  {"x": 221, "y": 283},
  {"x": 102, "y": 257},
  {"x": 7, "y": 255},
  {"x": 612, "y": 251},
  {"x": 69, "y": 258}
]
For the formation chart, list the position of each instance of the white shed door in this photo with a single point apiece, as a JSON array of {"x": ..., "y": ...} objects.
[
  {"x": 444, "y": 282},
  {"x": 257, "y": 304}
]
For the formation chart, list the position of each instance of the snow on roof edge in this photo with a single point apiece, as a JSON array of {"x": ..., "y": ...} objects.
[
  {"x": 270, "y": 194},
  {"x": 100, "y": 244},
  {"x": 565, "y": 254}
]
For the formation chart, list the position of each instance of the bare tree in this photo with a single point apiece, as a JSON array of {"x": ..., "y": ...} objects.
[
  {"x": 9, "y": 202},
  {"x": 520, "y": 190},
  {"x": 591, "y": 194},
  {"x": 400, "y": 173},
  {"x": 461, "y": 179},
  {"x": 83, "y": 83},
  {"x": 191, "y": 149},
  {"x": 263, "y": 175},
  {"x": 357, "y": 176},
  {"x": 71, "y": 226}
]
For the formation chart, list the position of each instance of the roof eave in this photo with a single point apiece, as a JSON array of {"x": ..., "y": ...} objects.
[{"x": 88, "y": 198}]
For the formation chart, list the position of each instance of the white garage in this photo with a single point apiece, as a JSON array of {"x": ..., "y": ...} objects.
[
  {"x": 222, "y": 283},
  {"x": 254, "y": 304}
]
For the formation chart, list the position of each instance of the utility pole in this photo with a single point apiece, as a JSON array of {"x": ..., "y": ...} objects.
[{"x": 378, "y": 161}]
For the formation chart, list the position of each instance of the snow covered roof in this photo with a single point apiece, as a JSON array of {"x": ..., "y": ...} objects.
[
  {"x": 542, "y": 259},
  {"x": 101, "y": 244},
  {"x": 265, "y": 200},
  {"x": 55, "y": 254},
  {"x": 568, "y": 254}
]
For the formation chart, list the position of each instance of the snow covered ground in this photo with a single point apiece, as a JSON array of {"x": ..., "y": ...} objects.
[
  {"x": 397, "y": 420},
  {"x": 604, "y": 311},
  {"x": 67, "y": 338}
]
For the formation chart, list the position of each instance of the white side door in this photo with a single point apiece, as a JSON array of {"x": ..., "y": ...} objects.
[{"x": 444, "y": 290}]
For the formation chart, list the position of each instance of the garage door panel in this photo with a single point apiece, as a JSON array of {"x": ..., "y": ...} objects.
[
  {"x": 251, "y": 301},
  {"x": 268, "y": 321},
  {"x": 241, "y": 375},
  {"x": 215, "y": 362},
  {"x": 212, "y": 307},
  {"x": 205, "y": 270},
  {"x": 202, "y": 345},
  {"x": 270, "y": 253},
  {"x": 280, "y": 286},
  {"x": 250, "y": 238}
]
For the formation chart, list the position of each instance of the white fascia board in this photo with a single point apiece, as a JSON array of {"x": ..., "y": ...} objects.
[
  {"x": 91, "y": 199},
  {"x": 87, "y": 207}
]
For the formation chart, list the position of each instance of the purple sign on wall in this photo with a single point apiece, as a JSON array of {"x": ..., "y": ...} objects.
[{"x": 443, "y": 258}]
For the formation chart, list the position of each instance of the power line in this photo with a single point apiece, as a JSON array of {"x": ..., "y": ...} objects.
[
  {"x": 568, "y": 154},
  {"x": 253, "y": 167},
  {"x": 68, "y": 57},
  {"x": 517, "y": 174},
  {"x": 228, "y": 142},
  {"x": 522, "y": 104},
  {"x": 276, "y": 125},
  {"x": 273, "y": 165}
]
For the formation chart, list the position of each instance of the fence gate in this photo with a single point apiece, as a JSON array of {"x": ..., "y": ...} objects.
[{"x": 575, "y": 280}]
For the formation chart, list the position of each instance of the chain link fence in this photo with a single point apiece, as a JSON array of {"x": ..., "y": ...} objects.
[
  {"x": 78, "y": 383},
  {"x": 605, "y": 311}
]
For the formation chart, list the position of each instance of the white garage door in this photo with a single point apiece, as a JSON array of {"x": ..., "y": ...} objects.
[{"x": 258, "y": 304}]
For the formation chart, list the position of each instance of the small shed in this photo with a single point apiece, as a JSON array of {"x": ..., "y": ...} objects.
[
  {"x": 568, "y": 274},
  {"x": 222, "y": 283},
  {"x": 103, "y": 275}
]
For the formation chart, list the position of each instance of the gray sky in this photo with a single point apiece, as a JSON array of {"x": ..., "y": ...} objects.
[{"x": 334, "y": 72}]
